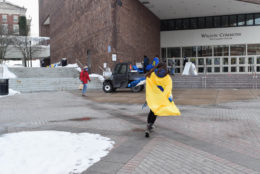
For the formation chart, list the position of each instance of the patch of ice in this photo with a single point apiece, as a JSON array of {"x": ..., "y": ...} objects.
[{"x": 6, "y": 73}]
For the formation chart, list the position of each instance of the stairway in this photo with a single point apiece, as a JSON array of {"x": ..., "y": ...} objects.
[
  {"x": 48, "y": 79},
  {"x": 234, "y": 81}
]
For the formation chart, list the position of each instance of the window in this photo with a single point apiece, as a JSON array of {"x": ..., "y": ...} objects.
[
  {"x": 201, "y": 22},
  {"x": 242, "y": 60},
  {"x": 237, "y": 50},
  {"x": 233, "y": 21},
  {"x": 189, "y": 52},
  {"x": 241, "y": 20},
  {"x": 233, "y": 61},
  {"x": 209, "y": 22},
  {"x": 5, "y": 28},
  {"x": 217, "y": 69},
  {"x": 178, "y": 24},
  {"x": 15, "y": 19},
  {"x": 225, "y": 69},
  {"x": 201, "y": 61},
  {"x": 217, "y": 21},
  {"x": 163, "y": 53},
  {"x": 209, "y": 61},
  {"x": 257, "y": 19},
  {"x": 16, "y": 29},
  {"x": 173, "y": 52},
  {"x": 4, "y": 18},
  {"x": 242, "y": 69},
  {"x": 171, "y": 25},
  {"x": 251, "y": 60},
  {"x": 253, "y": 49},
  {"x": 249, "y": 19},
  {"x": 233, "y": 69},
  {"x": 193, "y": 23},
  {"x": 186, "y": 24},
  {"x": 258, "y": 60},
  {"x": 204, "y": 51},
  {"x": 224, "y": 21},
  {"x": 123, "y": 69},
  {"x": 225, "y": 61},
  {"x": 221, "y": 50},
  {"x": 216, "y": 61}
]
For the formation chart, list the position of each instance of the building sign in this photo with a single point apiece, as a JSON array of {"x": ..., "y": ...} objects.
[
  {"x": 220, "y": 36},
  {"x": 113, "y": 57}
]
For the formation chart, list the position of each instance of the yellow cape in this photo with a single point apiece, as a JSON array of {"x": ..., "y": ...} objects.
[{"x": 157, "y": 100}]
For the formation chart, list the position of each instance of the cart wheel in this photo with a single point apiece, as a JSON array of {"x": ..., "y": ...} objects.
[
  {"x": 107, "y": 87},
  {"x": 137, "y": 88}
]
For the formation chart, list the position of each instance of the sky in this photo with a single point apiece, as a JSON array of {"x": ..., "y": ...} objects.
[{"x": 32, "y": 11}]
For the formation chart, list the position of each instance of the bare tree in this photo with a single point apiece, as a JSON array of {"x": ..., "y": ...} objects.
[{"x": 5, "y": 41}]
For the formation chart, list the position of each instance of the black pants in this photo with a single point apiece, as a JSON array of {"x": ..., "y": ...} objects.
[{"x": 151, "y": 117}]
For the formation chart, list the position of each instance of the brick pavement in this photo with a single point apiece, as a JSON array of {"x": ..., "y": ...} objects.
[{"x": 211, "y": 138}]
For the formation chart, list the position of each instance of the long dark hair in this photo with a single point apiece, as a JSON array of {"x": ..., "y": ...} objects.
[{"x": 160, "y": 65}]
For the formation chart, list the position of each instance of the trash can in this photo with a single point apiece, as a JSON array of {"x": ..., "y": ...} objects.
[
  {"x": 64, "y": 62},
  {"x": 4, "y": 86}
]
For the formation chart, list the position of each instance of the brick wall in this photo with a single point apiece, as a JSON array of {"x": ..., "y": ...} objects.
[{"x": 90, "y": 26}]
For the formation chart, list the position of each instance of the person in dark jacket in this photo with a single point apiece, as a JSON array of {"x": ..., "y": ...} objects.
[
  {"x": 84, "y": 77},
  {"x": 146, "y": 63}
]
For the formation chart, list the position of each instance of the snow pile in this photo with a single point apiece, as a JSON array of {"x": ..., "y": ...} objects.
[
  {"x": 11, "y": 93},
  {"x": 6, "y": 73},
  {"x": 51, "y": 152},
  {"x": 74, "y": 66},
  {"x": 100, "y": 77}
]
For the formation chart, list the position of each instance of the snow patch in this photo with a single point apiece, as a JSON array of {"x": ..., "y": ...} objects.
[
  {"x": 100, "y": 77},
  {"x": 51, "y": 152},
  {"x": 11, "y": 93},
  {"x": 6, "y": 73}
]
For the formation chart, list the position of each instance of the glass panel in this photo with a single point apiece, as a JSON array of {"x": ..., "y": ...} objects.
[
  {"x": 209, "y": 69},
  {"x": 257, "y": 19},
  {"x": 123, "y": 69},
  {"x": 233, "y": 60},
  {"x": 242, "y": 60},
  {"x": 242, "y": 69},
  {"x": 201, "y": 22},
  {"x": 251, "y": 68},
  {"x": 201, "y": 61},
  {"x": 164, "y": 26},
  {"x": 258, "y": 69},
  {"x": 178, "y": 24},
  {"x": 233, "y": 21},
  {"x": 177, "y": 70},
  {"x": 163, "y": 52},
  {"x": 209, "y": 61},
  {"x": 170, "y": 62},
  {"x": 237, "y": 50},
  {"x": 189, "y": 52},
  {"x": 221, "y": 50},
  {"x": 201, "y": 70},
  {"x": 258, "y": 60},
  {"x": 194, "y": 23},
  {"x": 217, "y": 69},
  {"x": 193, "y": 60},
  {"x": 253, "y": 49},
  {"x": 216, "y": 61},
  {"x": 173, "y": 52},
  {"x": 233, "y": 69},
  {"x": 186, "y": 23},
  {"x": 204, "y": 51},
  {"x": 224, "y": 21},
  {"x": 177, "y": 62},
  {"x": 251, "y": 60},
  {"x": 171, "y": 24},
  {"x": 225, "y": 69},
  {"x": 241, "y": 20},
  {"x": 209, "y": 22},
  {"x": 249, "y": 19},
  {"x": 217, "y": 21},
  {"x": 225, "y": 61}
]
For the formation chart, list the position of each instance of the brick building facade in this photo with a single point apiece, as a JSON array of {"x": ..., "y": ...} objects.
[
  {"x": 86, "y": 30},
  {"x": 9, "y": 16}
]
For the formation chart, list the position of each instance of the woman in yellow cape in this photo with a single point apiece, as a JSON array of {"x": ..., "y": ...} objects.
[{"x": 159, "y": 95}]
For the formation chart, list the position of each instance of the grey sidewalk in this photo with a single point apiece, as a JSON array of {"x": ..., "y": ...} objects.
[{"x": 214, "y": 138}]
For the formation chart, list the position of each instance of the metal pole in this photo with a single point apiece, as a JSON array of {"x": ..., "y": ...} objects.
[{"x": 30, "y": 52}]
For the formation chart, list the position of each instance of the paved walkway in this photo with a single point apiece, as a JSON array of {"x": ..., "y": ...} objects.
[{"x": 218, "y": 132}]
